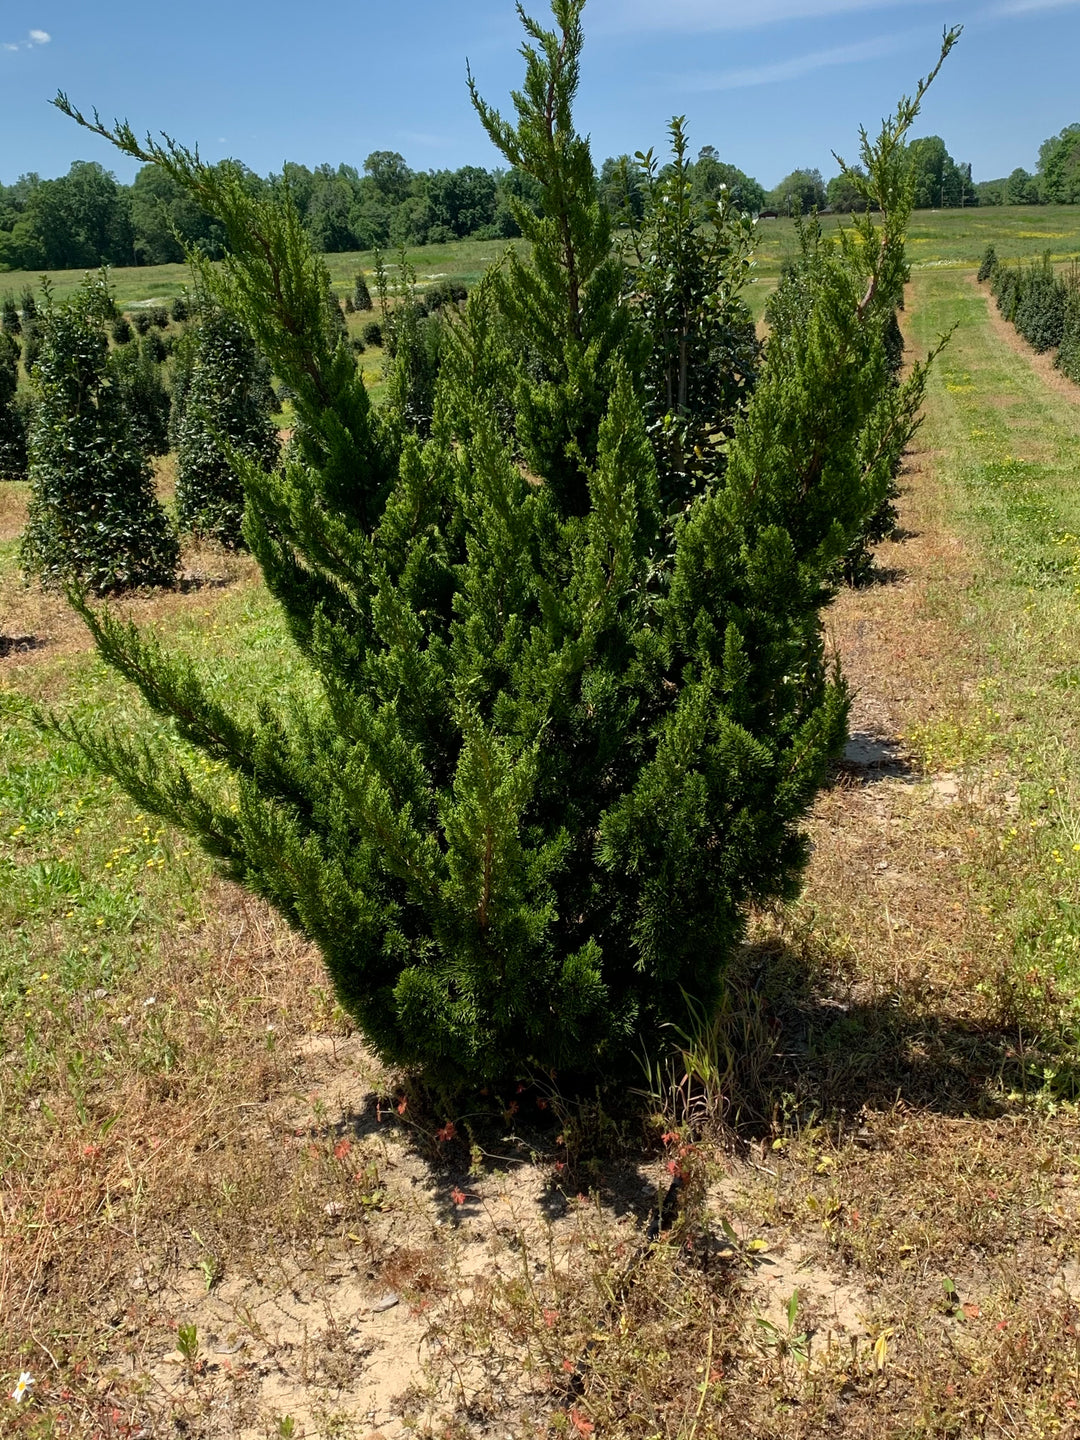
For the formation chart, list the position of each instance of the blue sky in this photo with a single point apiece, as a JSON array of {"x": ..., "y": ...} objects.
[{"x": 773, "y": 84}]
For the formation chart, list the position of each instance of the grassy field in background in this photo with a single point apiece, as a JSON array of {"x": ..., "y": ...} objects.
[
  {"x": 936, "y": 237},
  {"x": 192, "y": 1135}
]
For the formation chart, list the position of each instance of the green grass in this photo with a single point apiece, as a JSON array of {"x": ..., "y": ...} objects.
[
  {"x": 936, "y": 237},
  {"x": 1005, "y": 443}
]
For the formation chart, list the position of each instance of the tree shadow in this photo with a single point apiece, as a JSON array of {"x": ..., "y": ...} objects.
[
  {"x": 868, "y": 758},
  {"x": 831, "y": 1056},
  {"x": 19, "y": 644}
]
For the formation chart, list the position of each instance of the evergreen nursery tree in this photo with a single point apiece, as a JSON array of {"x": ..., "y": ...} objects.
[
  {"x": 12, "y": 418},
  {"x": 146, "y": 399},
  {"x": 225, "y": 411},
  {"x": 691, "y": 257},
  {"x": 94, "y": 520},
  {"x": 557, "y": 745}
]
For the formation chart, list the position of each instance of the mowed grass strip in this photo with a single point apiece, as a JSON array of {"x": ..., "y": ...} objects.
[{"x": 1006, "y": 449}]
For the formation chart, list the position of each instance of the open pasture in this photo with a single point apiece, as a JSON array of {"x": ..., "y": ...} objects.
[
  {"x": 936, "y": 238},
  {"x": 220, "y": 1218}
]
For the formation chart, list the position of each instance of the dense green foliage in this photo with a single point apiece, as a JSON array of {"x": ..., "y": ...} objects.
[
  {"x": 941, "y": 183},
  {"x": 138, "y": 377},
  {"x": 1068, "y": 356},
  {"x": 93, "y": 519},
  {"x": 12, "y": 416},
  {"x": 690, "y": 258},
  {"x": 223, "y": 405},
  {"x": 988, "y": 264},
  {"x": 1031, "y": 297},
  {"x": 560, "y": 738},
  {"x": 798, "y": 193}
]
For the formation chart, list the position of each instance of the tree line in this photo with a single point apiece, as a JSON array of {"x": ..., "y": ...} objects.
[{"x": 86, "y": 218}]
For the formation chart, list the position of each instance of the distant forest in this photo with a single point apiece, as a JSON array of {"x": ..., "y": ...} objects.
[{"x": 86, "y": 218}]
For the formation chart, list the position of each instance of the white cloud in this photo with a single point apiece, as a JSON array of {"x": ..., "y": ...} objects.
[
  {"x": 780, "y": 70},
  {"x": 33, "y": 37},
  {"x": 1030, "y": 7},
  {"x": 704, "y": 15}
]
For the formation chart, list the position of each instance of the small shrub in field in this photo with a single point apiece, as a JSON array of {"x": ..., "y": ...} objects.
[
  {"x": 227, "y": 401},
  {"x": 358, "y": 345},
  {"x": 445, "y": 292},
  {"x": 10, "y": 323},
  {"x": 159, "y": 316},
  {"x": 988, "y": 264},
  {"x": 94, "y": 518},
  {"x": 12, "y": 417},
  {"x": 361, "y": 296},
  {"x": 1040, "y": 308},
  {"x": 153, "y": 347},
  {"x": 1068, "y": 357},
  {"x": 137, "y": 374},
  {"x": 29, "y": 305},
  {"x": 122, "y": 332},
  {"x": 350, "y": 307},
  {"x": 180, "y": 310},
  {"x": 1007, "y": 284},
  {"x": 372, "y": 334},
  {"x": 142, "y": 321}
]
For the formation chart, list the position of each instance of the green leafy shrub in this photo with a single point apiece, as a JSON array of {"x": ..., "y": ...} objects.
[
  {"x": 12, "y": 417},
  {"x": 348, "y": 305},
  {"x": 372, "y": 334},
  {"x": 1040, "y": 308},
  {"x": 225, "y": 415},
  {"x": 1068, "y": 357},
  {"x": 94, "y": 519},
  {"x": 153, "y": 348},
  {"x": 561, "y": 741},
  {"x": 988, "y": 264},
  {"x": 1007, "y": 284},
  {"x": 159, "y": 316},
  {"x": 180, "y": 309},
  {"x": 137, "y": 375},
  {"x": 122, "y": 332},
  {"x": 691, "y": 258},
  {"x": 10, "y": 323},
  {"x": 141, "y": 319}
]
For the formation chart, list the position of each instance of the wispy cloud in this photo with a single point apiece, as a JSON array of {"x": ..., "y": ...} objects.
[
  {"x": 33, "y": 38},
  {"x": 779, "y": 70},
  {"x": 636, "y": 16},
  {"x": 1030, "y": 7}
]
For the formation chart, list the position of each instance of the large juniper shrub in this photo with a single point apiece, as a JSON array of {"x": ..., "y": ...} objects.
[
  {"x": 224, "y": 405},
  {"x": 557, "y": 744},
  {"x": 94, "y": 519}
]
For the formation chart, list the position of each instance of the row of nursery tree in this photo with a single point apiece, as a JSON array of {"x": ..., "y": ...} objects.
[
  {"x": 86, "y": 218},
  {"x": 1043, "y": 304},
  {"x": 560, "y": 596}
]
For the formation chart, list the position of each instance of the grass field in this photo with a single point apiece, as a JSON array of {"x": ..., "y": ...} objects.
[{"x": 219, "y": 1217}]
